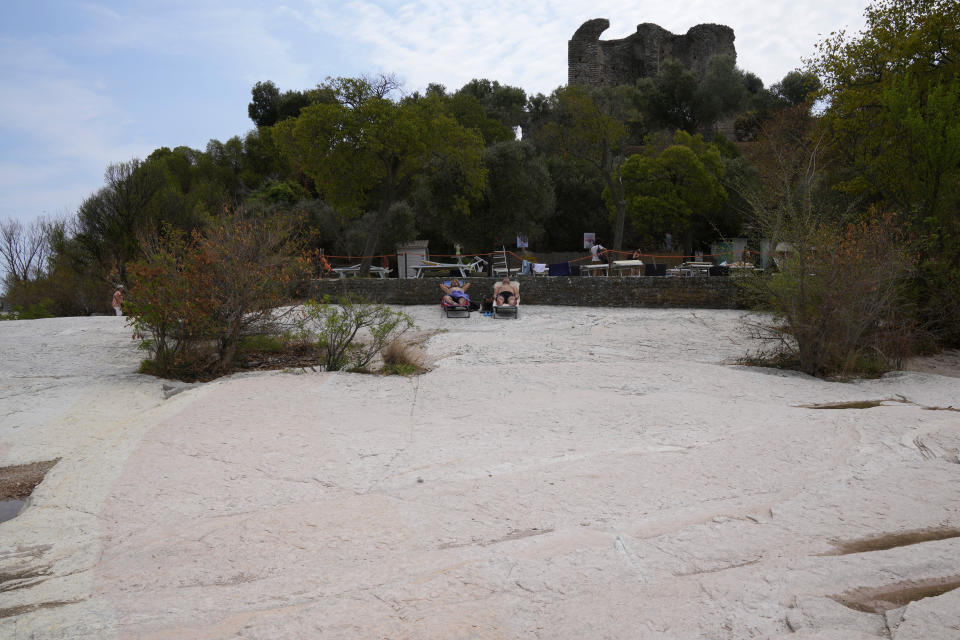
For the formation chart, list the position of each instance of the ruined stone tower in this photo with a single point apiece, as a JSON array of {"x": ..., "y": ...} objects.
[{"x": 598, "y": 63}]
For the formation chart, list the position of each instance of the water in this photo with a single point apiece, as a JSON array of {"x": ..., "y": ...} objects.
[{"x": 9, "y": 509}]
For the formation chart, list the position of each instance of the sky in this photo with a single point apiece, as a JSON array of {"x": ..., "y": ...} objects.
[{"x": 86, "y": 84}]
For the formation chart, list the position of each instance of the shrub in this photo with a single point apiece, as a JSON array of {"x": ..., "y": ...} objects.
[
  {"x": 198, "y": 296},
  {"x": 352, "y": 332},
  {"x": 401, "y": 358},
  {"x": 838, "y": 301},
  {"x": 35, "y": 311}
]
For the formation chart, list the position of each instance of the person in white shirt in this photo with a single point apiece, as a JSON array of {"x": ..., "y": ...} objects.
[{"x": 596, "y": 251}]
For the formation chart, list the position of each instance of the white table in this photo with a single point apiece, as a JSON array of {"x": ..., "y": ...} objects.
[
  {"x": 633, "y": 266},
  {"x": 354, "y": 270},
  {"x": 591, "y": 270}
]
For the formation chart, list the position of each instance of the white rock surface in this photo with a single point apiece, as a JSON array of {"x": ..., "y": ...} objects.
[{"x": 577, "y": 473}]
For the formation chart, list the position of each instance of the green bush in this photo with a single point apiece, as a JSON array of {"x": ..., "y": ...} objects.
[
  {"x": 39, "y": 309},
  {"x": 352, "y": 332}
]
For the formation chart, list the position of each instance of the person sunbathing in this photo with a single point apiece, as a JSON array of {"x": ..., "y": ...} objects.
[
  {"x": 505, "y": 293},
  {"x": 455, "y": 295}
]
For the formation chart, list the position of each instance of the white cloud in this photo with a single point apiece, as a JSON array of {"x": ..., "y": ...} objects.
[
  {"x": 526, "y": 44},
  {"x": 65, "y": 112}
]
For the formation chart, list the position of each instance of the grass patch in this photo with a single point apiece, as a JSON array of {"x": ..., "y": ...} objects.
[{"x": 402, "y": 358}]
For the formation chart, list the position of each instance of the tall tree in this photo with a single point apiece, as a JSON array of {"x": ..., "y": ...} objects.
[
  {"x": 366, "y": 150},
  {"x": 797, "y": 87},
  {"x": 893, "y": 113},
  {"x": 268, "y": 106},
  {"x": 24, "y": 249},
  {"x": 501, "y": 102},
  {"x": 665, "y": 191},
  {"x": 112, "y": 221},
  {"x": 678, "y": 98},
  {"x": 579, "y": 129}
]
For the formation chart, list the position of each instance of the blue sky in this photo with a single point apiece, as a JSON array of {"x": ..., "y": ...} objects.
[{"x": 84, "y": 84}]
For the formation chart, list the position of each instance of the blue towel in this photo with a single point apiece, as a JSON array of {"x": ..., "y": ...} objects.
[{"x": 560, "y": 269}]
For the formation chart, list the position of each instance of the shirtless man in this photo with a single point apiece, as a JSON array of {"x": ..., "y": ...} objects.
[
  {"x": 455, "y": 295},
  {"x": 505, "y": 292}
]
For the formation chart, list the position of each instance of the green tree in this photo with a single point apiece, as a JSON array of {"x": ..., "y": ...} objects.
[
  {"x": 797, "y": 87},
  {"x": 518, "y": 196},
  {"x": 469, "y": 112},
  {"x": 501, "y": 102},
  {"x": 678, "y": 98},
  {"x": 365, "y": 150},
  {"x": 112, "y": 221},
  {"x": 664, "y": 191},
  {"x": 893, "y": 113},
  {"x": 268, "y": 106},
  {"x": 578, "y": 129}
]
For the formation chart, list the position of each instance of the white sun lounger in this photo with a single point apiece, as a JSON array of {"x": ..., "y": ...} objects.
[{"x": 507, "y": 310}]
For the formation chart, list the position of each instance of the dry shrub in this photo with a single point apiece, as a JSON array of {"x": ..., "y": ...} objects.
[
  {"x": 838, "y": 301},
  {"x": 196, "y": 297},
  {"x": 402, "y": 358}
]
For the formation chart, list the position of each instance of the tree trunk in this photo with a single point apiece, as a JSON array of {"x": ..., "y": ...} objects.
[
  {"x": 616, "y": 189},
  {"x": 373, "y": 236}
]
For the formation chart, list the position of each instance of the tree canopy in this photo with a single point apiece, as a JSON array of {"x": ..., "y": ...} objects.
[
  {"x": 665, "y": 190},
  {"x": 365, "y": 150}
]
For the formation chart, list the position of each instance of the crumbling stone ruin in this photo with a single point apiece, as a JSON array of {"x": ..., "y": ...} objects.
[{"x": 599, "y": 63}]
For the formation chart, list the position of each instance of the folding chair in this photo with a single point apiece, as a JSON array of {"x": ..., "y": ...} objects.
[{"x": 501, "y": 265}]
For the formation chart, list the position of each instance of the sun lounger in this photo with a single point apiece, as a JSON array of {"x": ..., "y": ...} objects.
[
  {"x": 454, "y": 310},
  {"x": 507, "y": 310}
]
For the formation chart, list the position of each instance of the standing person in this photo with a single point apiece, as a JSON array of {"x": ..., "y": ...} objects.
[
  {"x": 118, "y": 300},
  {"x": 596, "y": 250}
]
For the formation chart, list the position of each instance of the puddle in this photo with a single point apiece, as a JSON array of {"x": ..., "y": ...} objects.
[
  {"x": 9, "y": 509},
  {"x": 881, "y": 599},
  {"x": 886, "y": 541},
  {"x": 17, "y": 482}
]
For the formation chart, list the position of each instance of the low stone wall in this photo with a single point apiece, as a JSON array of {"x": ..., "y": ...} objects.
[{"x": 703, "y": 293}]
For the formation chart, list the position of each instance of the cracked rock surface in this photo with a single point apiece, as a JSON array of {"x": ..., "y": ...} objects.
[{"x": 577, "y": 473}]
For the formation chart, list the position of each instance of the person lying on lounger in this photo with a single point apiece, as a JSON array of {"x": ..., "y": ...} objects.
[
  {"x": 455, "y": 295},
  {"x": 505, "y": 293}
]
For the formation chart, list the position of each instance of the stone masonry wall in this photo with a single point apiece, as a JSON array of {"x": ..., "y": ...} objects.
[
  {"x": 704, "y": 293},
  {"x": 599, "y": 63}
]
